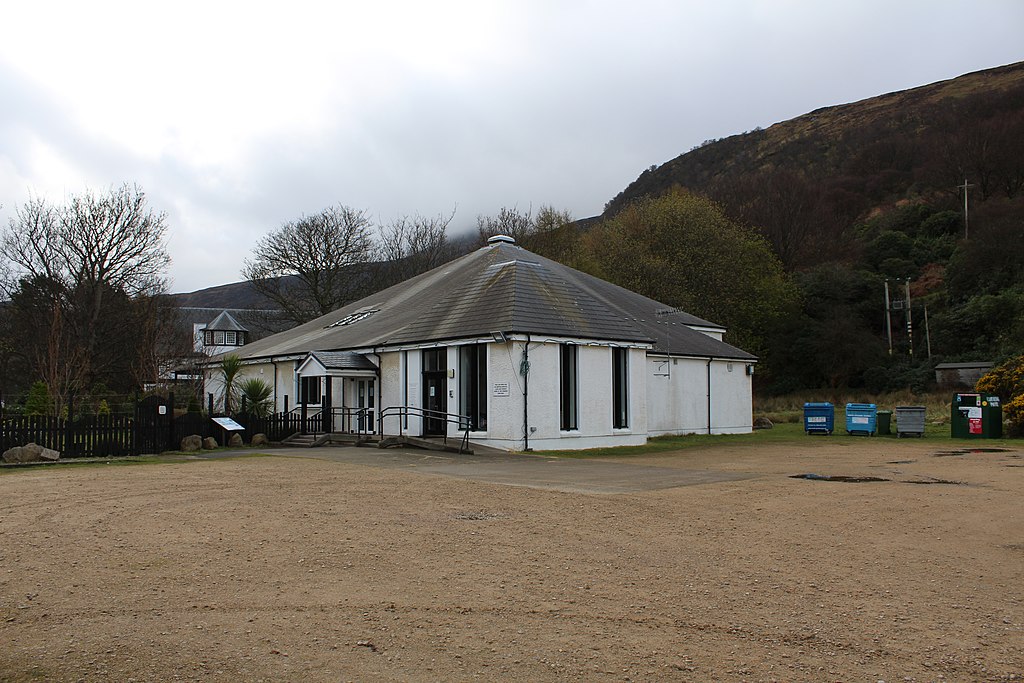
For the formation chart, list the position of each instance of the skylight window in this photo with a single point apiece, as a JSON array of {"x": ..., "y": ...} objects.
[{"x": 354, "y": 317}]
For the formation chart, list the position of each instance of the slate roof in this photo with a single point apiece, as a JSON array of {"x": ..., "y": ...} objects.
[
  {"x": 343, "y": 360},
  {"x": 500, "y": 287},
  {"x": 225, "y": 321}
]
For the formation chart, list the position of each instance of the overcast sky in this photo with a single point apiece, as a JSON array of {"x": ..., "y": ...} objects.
[{"x": 236, "y": 117}]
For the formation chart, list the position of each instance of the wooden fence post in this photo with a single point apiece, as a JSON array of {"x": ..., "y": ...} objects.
[{"x": 69, "y": 433}]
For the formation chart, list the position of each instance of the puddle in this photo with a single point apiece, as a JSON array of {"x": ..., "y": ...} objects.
[
  {"x": 860, "y": 480},
  {"x": 836, "y": 477},
  {"x": 968, "y": 451}
]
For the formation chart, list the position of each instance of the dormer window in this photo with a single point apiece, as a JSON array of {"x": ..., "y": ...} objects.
[{"x": 223, "y": 338}]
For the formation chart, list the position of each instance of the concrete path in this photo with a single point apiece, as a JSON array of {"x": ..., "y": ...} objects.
[{"x": 532, "y": 471}]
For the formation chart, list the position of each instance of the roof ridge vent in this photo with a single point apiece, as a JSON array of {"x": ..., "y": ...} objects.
[{"x": 499, "y": 239}]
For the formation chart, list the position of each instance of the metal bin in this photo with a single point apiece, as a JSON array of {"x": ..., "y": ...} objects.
[
  {"x": 910, "y": 421},
  {"x": 976, "y": 416},
  {"x": 861, "y": 418},
  {"x": 819, "y": 418}
]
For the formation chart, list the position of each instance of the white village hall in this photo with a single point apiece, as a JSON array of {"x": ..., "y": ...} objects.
[{"x": 526, "y": 352}]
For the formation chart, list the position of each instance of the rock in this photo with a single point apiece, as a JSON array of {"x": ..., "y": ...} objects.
[
  {"x": 30, "y": 452},
  {"x": 49, "y": 454},
  {"x": 12, "y": 455},
  {"x": 763, "y": 423},
  {"x": 210, "y": 443},
  {"x": 236, "y": 440},
  {"x": 259, "y": 440},
  {"x": 192, "y": 442}
]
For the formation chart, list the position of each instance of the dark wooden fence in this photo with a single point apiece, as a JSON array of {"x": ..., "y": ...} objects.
[{"x": 152, "y": 428}]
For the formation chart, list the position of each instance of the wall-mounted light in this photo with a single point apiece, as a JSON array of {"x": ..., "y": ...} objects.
[{"x": 499, "y": 337}]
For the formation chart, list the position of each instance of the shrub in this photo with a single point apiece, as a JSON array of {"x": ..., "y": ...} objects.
[
  {"x": 1007, "y": 382},
  {"x": 38, "y": 400}
]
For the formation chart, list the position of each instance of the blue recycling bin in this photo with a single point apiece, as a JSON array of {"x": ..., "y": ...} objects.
[
  {"x": 819, "y": 418},
  {"x": 861, "y": 418}
]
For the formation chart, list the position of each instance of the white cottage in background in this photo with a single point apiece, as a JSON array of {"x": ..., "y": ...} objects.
[{"x": 531, "y": 353}]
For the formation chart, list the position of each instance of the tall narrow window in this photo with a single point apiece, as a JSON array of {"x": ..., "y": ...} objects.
[
  {"x": 569, "y": 391},
  {"x": 473, "y": 385},
  {"x": 309, "y": 390},
  {"x": 620, "y": 388}
]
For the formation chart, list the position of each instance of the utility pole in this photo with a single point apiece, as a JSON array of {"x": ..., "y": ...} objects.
[
  {"x": 910, "y": 321},
  {"x": 964, "y": 188},
  {"x": 888, "y": 316},
  {"x": 927, "y": 332}
]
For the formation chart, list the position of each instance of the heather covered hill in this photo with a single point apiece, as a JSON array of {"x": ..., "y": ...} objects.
[{"x": 875, "y": 149}]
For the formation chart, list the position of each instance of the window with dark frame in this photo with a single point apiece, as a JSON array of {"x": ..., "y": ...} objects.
[
  {"x": 473, "y": 385},
  {"x": 309, "y": 390},
  {"x": 569, "y": 389},
  {"x": 620, "y": 388}
]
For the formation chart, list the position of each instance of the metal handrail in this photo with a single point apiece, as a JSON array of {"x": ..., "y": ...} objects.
[
  {"x": 362, "y": 416},
  {"x": 312, "y": 416},
  {"x": 463, "y": 421}
]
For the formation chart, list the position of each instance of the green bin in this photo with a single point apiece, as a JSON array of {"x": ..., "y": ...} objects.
[
  {"x": 976, "y": 416},
  {"x": 885, "y": 422}
]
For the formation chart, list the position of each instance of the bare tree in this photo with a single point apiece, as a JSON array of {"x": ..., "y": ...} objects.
[
  {"x": 550, "y": 232},
  {"x": 509, "y": 221},
  {"x": 411, "y": 245},
  {"x": 314, "y": 265},
  {"x": 85, "y": 262}
]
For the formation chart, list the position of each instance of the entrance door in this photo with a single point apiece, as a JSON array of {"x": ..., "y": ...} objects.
[
  {"x": 435, "y": 391},
  {"x": 435, "y": 400},
  {"x": 366, "y": 398}
]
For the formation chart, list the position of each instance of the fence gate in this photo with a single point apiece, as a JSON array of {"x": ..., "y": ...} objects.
[{"x": 154, "y": 425}]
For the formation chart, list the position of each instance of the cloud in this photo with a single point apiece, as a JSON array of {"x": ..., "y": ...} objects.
[{"x": 236, "y": 117}]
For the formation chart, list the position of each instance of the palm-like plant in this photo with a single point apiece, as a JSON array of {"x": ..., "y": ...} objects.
[
  {"x": 256, "y": 393},
  {"x": 229, "y": 368}
]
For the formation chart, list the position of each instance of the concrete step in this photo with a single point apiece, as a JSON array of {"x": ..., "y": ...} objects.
[{"x": 306, "y": 440}]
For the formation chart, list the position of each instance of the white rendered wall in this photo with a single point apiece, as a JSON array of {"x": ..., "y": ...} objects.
[
  {"x": 677, "y": 396},
  {"x": 505, "y": 412},
  {"x": 212, "y": 382}
]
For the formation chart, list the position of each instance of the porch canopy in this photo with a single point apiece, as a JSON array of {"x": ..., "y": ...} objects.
[
  {"x": 337, "y": 364},
  {"x": 346, "y": 406}
]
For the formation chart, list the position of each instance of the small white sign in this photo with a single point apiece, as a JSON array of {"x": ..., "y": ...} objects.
[
  {"x": 229, "y": 424},
  {"x": 501, "y": 389},
  {"x": 161, "y": 410}
]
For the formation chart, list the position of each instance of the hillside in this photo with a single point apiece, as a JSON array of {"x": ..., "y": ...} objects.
[
  {"x": 897, "y": 133},
  {"x": 235, "y": 295}
]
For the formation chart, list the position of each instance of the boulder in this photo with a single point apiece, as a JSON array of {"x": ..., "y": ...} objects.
[
  {"x": 236, "y": 440},
  {"x": 30, "y": 452},
  {"x": 192, "y": 442},
  {"x": 210, "y": 443},
  {"x": 763, "y": 423},
  {"x": 49, "y": 454},
  {"x": 12, "y": 455},
  {"x": 259, "y": 440}
]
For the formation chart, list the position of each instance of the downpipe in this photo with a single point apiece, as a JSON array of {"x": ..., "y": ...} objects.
[{"x": 709, "y": 394}]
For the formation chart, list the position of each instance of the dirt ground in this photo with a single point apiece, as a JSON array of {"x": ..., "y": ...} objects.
[{"x": 299, "y": 569}]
